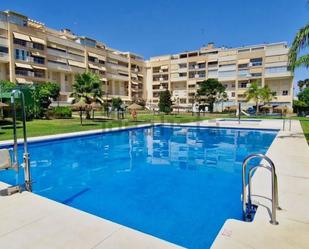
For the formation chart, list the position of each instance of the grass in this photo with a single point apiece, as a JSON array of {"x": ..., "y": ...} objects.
[{"x": 57, "y": 126}]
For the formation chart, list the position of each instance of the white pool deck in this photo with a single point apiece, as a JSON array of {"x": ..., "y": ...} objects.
[{"x": 31, "y": 221}]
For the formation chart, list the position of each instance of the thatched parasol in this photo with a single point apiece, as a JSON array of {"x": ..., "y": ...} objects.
[
  {"x": 3, "y": 105},
  {"x": 280, "y": 108},
  {"x": 95, "y": 106},
  {"x": 135, "y": 107},
  {"x": 266, "y": 107},
  {"x": 80, "y": 105},
  {"x": 232, "y": 108}
]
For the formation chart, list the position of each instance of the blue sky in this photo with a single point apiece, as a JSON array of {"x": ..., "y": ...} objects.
[{"x": 159, "y": 27}]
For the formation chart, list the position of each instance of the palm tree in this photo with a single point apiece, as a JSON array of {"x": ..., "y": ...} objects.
[
  {"x": 266, "y": 94},
  {"x": 88, "y": 89},
  {"x": 301, "y": 42},
  {"x": 303, "y": 84},
  {"x": 254, "y": 93}
]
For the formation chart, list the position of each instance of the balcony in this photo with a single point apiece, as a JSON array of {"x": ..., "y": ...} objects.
[
  {"x": 59, "y": 67},
  {"x": 116, "y": 67},
  {"x": 4, "y": 57},
  {"x": 4, "y": 42},
  {"x": 118, "y": 57},
  {"x": 117, "y": 77}
]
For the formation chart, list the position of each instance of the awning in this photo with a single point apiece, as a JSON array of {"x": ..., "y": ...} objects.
[
  {"x": 23, "y": 81},
  {"x": 134, "y": 75},
  {"x": 23, "y": 65},
  {"x": 38, "y": 67},
  {"x": 135, "y": 83},
  {"x": 92, "y": 55},
  {"x": 38, "y": 54},
  {"x": 93, "y": 66},
  {"x": 38, "y": 40},
  {"x": 102, "y": 68},
  {"x": 243, "y": 61},
  {"x": 101, "y": 58},
  {"x": 164, "y": 67},
  {"x": 199, "y": 62},
  {"x": 103, "y": 79},
  {"x": 21, "y": 36},
  {"x": 76, "y": 64},
  {"x": 140, "y": 75}
]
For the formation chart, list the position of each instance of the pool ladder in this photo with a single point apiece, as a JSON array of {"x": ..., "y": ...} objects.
[
  {"x": 247, "y": 206},
  {"x": 12, "y": 163}
]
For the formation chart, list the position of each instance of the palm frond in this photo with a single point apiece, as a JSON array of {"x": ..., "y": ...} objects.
[
  {"x": 301, "y": 41},
  {"x": 302, "y": 61}
]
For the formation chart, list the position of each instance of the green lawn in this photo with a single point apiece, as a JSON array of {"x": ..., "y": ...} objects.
[{"x": 57, "y": 126}]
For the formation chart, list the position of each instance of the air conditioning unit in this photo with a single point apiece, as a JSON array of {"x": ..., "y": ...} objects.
[
  {"x": 196, "y": 76},
  {"x": 161, "y": 79},
  {"x": 196, "y": 67}
]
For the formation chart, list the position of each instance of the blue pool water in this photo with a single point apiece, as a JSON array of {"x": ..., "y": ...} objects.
[{"x": 177, "y": 183}]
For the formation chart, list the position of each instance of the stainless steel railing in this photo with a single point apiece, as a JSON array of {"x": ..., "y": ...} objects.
[
  {"x": 26, "y": 156},
  {"x": 247, "y": 205}
]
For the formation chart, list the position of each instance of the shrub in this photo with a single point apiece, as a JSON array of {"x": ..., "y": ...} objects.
[{"x": 60, "y": 112}]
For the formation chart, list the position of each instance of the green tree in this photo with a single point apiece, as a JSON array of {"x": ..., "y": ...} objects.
[
  {"x": 266, "y": 94},
  {"x": 211, "y": 90},
  {"x": 116, "y": 103},
  {"x": 303, "y": 84},
  {"x": 303, "y": 96},
  {"x": 259, "y": 94},
  {"x": 43, "y": 94},
  {"x": 7, "y": 86},
  {"x": 87, "y": 88},
  {"x": 300, "y": 43},
  {"x": 254, "y": 93},
  {"x": 165, "y": 102}
]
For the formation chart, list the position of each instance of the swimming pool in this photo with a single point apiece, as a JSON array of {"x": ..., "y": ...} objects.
[{"x": 176, "y": 183}]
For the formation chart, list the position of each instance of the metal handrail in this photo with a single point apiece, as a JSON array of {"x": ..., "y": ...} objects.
[
  {"x": 248, "y": 207},
  {"x": 26, "y": 156},
  {"x": 290, "y": 124}
]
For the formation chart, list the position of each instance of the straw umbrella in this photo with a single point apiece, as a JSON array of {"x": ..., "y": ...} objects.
[
  {"x": 135, "y": 106},
  {"x": 267, "y": 107},
  {"x": 281, "y": 109},
  {"x": 80, "y": 106}
]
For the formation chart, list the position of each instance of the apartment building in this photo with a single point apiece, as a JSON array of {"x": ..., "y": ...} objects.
[
  {"x": 235, "y": 68},
  {"x": 31, "y": 53}
]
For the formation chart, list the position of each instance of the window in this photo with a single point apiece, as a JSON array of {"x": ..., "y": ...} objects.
[
  {"x": 256, "y": 74},
  {"x": 227, "y": 74},
  {"x": 66, "y": 78},
  {"x": 38, "y": 46},
  {"x": 21, "y": 54},
  {"x": 233, "y": 94},
  {"x": 38, "y": 60},
  {"x": 182, "y": 74},
  {"x": 243, "y": 85},
  {"x": 276, "y": 70},
  {"x": 285, "y": 92},
  {"x": 20, "y": 42},
  {"x": 182, "y": 65},
  {"x": 4, "y": 50},
  {"x": 242, "y": 65},
  {"x": 256, "y": 61}
]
